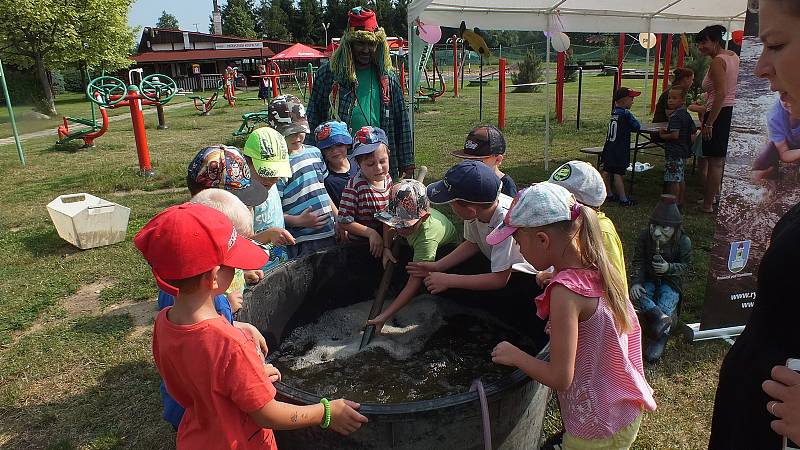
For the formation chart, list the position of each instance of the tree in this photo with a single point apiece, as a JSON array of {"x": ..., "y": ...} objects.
[
  {"x": 310, "y": 22},
  {"x": 238, "y": 19},
  {"x": 272, "y": 21},
  {"x": 336, "y": 15},
  {"x": 50, "y": 35},
  {"x": 529, "y": 70},
  {"x": 167, "y": 20}
]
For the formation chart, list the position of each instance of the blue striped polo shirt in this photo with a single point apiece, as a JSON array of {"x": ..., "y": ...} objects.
[{"x": 306, "y": 189}]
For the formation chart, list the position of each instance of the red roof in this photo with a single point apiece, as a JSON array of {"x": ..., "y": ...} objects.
[
  {"x": 298, "y": 51},
  {"x": 198, "y": 55}
]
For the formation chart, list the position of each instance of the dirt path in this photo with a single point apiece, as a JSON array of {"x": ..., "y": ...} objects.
[
  {"x": 86, "y": 302},
  {"x": 54, "y": 131}
]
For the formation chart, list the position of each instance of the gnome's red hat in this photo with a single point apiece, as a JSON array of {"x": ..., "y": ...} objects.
[{"x": 361, "y": 19}]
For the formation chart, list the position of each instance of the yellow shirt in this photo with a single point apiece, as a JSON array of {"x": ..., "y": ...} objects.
[{"x": 613, "y": 246}]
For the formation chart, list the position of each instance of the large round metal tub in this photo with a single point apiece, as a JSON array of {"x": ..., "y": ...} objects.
[{"x": 298, "y": 292}]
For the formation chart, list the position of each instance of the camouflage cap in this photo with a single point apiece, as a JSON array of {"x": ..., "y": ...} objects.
[
  {"x": 408, "y": 203},
  {"x": 288, "y": 115}
]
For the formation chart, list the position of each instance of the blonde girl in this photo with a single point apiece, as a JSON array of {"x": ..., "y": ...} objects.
[{"x": 595, "y": 340}]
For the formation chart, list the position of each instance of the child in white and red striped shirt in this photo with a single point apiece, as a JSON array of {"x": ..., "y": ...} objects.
[
  {"x": 367, "y": 193},
  {"x": 595, "y": 340}
]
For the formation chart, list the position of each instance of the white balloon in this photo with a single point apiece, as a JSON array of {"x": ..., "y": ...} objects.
[
  {"x": 559, "y": 41},
  {"x": 647, "y": 40}
]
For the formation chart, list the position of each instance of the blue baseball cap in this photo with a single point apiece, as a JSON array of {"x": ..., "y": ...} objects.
[
  {"x": 332, "y": 133},
  {"x": 367, "y": 140},
  {"x": 470, "y": 181}
]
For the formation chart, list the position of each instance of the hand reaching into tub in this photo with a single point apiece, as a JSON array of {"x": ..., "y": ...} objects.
[
  {"x": 422, "y": 269},
  {"x": 344, "y": 417},
  {"x": 273, "y": 373}
]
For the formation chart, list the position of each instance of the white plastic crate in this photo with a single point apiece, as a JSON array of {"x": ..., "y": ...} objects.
[{"x": 86, "y": 221}]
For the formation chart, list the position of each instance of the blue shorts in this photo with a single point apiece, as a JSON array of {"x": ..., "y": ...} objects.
[{"x": 673, "y": 170}]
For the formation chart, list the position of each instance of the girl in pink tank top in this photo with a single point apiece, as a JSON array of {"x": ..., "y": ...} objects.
[{"x": 595, "y": 340}]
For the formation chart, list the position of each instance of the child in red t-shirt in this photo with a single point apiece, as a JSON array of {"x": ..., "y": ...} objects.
[{"x": 210, "y": 367}]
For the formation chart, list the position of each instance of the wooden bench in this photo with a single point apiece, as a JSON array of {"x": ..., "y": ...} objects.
[{"x": 597, "y": 151}]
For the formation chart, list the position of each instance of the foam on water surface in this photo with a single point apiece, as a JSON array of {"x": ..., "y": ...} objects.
[{"x": 430, "y": 349}]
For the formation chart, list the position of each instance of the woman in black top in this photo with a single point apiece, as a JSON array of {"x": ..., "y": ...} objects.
[
  {"x": 683, "y": 77},
  {"x": 741, "y": 416}
]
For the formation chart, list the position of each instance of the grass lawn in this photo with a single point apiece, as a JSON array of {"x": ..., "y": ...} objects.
[{"x": 75, "y": 325}]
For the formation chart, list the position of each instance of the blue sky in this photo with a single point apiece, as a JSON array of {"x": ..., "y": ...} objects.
[{"x": 145, "y": 13}]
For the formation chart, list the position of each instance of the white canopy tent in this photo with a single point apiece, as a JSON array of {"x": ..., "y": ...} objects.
[{"x": 601, "y": 16}]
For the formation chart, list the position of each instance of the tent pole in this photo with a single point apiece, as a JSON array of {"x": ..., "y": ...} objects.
[
  {"x": 646, "y": 69},
  {"x": 411, "y": 85},
  {"x": 547, "y": 101},
  {"x": 730, "y": 34}
]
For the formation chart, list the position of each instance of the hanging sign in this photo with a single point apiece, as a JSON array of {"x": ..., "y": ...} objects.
[{"x": 237, "y": 45}]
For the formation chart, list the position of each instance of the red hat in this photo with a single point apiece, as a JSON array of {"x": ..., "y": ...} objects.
[
  {"x": 187, "y": 240},
  {"x": 362, "y": 19}
]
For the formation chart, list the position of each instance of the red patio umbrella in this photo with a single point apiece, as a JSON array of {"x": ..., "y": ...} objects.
[{"x": 298, "y": 52}]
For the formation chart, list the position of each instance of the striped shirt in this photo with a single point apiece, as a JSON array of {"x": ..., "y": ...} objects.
[
  {"x": 306, "y": 189},
  {"x": 608, "y": 390},
  {"x": 360, "y": 201}
]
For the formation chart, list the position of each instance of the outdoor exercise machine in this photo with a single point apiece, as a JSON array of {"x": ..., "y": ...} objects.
[
  {"x": 205, "y": 105},
  {"x": 250, "y": 121},
  {"x": 155, "y": 90},
  {"x": 88, "y": 135},
  {"x": 273, "y": 73}
]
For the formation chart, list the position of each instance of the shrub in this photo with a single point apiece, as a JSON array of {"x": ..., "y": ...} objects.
[{"x": 529, "y": 70}]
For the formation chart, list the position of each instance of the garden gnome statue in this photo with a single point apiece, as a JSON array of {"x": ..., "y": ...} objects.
[{"x": 663, "y": 255}]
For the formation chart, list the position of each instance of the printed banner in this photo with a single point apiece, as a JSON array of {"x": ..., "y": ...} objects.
[{"x": 757, "y": 189}]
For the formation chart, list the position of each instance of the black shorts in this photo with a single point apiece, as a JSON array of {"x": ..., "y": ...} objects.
[
  {"x": 615, "y": 170},
  {"x": 718, "y": 145}
]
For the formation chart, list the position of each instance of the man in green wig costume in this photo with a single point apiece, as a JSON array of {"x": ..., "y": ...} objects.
[{"x": 359, "y": 88}]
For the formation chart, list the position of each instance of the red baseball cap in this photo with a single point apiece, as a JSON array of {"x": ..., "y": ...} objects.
[{"x": 190, "y": 239}]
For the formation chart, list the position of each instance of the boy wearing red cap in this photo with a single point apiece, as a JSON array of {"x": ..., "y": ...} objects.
[{"x": 209, "y": 366}]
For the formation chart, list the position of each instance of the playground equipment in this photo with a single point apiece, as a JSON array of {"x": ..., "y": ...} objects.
[
  {"x": 205, "y": 105},
  {"x": 250, "y": 121},
  {"x": 154, "y": 90},
  {"x": 431, "y": 91},
  {"x": 229, "y": 80},
  {"x": 88, "y": 135},
  {"x": 273, "y": 73}
]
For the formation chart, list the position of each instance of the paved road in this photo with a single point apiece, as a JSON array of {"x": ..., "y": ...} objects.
[{"x": 53, "y": 131}]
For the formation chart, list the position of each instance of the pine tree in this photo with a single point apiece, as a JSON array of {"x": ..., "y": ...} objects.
[
  {"x": 272, "y": 21},
  {"x": 238, "y": 19},
  {"x": 310, "y": 22},
  {"x": 167, "y": 20}
]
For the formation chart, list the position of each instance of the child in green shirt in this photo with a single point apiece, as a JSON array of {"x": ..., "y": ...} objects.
[{"x": 410, "y": 216}]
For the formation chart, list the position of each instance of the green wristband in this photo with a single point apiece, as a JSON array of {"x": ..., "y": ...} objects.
[{"x": 326, "y": 419}]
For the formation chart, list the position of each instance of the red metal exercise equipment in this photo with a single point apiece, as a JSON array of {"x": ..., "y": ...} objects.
[{"x": 154, "y": 90}]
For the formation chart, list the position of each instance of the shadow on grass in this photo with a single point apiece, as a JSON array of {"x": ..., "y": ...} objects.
[
  {"x": 99, "y": 417},
  {"x": 46, "y": 242},
  {"x": 73, "y": 146}
]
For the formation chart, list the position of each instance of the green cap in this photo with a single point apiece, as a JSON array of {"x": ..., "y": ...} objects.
[{"x": 267, "y": 148}]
